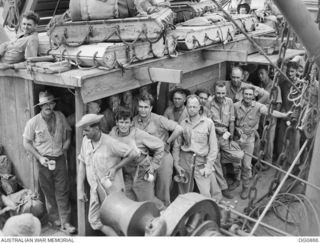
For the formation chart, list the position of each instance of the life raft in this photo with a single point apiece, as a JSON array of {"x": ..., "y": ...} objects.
[
  {"x": 150, "y": 28},
  {"x": 201, "y": 31},
  {"x": 246, "y": 22}
]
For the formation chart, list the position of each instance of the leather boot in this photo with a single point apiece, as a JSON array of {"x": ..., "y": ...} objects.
[
  {"x": 226, "y": 193},
  {"x": 234, "y": 185},
  {"x": 245, "y": 192}
]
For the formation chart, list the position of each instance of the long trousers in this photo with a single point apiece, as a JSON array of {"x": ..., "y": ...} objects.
[
  {"x": 55, "y": 187},
  {"x": 207, "y": 186},
  {"x": 164, "y": 178},
  {"x": 246, "y": 170},
  {"x": 228, "y": 154}
]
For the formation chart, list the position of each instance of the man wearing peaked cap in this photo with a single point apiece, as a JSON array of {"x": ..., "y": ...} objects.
[
  {"x": 89, "y": 119},
  {"x": 101, "y": 160},
  {"x": 47, "y": 137}
]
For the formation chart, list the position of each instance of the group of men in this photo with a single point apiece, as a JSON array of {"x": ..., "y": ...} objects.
[
  {"x": 195, "y": 137},
  {"x": 131, "y": 149},
  {"x": 137, "y": 150},
  {"x": 141, "y": 154}
]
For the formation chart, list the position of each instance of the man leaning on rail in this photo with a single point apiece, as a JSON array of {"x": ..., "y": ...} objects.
[{"x": 247, "y": 117}]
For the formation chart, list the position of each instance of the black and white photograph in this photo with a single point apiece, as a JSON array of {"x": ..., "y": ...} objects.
[{"x": 148, "y": 118}]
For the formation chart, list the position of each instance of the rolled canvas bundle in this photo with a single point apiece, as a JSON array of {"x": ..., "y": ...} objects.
[
  {"x": 150, "y": 28},
  {"x": 111, "y": 55}
]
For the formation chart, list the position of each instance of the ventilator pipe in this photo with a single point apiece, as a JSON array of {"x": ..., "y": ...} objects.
[{"x": 301, "y": 21}]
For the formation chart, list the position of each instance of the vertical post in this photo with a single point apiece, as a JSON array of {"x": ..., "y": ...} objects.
[{"x": 79, "y": 110}]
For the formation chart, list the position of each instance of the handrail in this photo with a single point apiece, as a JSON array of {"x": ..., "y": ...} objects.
[
  {"x": 278, "y": 189},
  {"x": 283, "y": 171}
]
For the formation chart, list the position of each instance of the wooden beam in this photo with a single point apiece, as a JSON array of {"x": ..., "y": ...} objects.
[
  {"x": 158, "y": 74},
  {"x": 69, "y": 79},
  {"x": 226, "y": 55},
  {"x": 257, "y": 58}
]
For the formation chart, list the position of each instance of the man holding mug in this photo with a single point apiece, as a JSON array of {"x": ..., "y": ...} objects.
[{"x": 47, "y": 138}]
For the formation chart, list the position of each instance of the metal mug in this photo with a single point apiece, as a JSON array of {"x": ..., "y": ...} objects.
[{"x": 51, "y": 164}]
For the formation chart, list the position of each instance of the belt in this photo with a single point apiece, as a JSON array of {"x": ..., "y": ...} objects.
[
  {"x": 220, "y": 125},
  {"x": 53, "y": 157}
]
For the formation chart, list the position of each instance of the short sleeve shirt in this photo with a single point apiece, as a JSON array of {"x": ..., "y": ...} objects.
[
  {"x": 156, "y": 125},
  {"x": 142, "y": 142},
  {"x": 247, "y": 118},
  {"x": 237, "y": 95},
  {"x": 200, "y": 138},
  {"x": 36, "y": 130},
  {"x": 106, "y": 153}
]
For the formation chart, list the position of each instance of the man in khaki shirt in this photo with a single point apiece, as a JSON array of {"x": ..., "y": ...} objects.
[
  {"x": 235, "y": 86},
  {"x": 160, "y": 127},
  {"x": 197, "y": 146},
  {"x": 222, "y": 110},
  {"x": 247, "y": 115},
  {"x": 138, "y": 186},
  {"x": 177, "y": 111}
]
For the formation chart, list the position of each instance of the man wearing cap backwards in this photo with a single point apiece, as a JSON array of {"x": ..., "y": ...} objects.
[
  {"x": 197, "y": 145},
  {"x": 160, "y": 127},
  {"x": 101, "y": 160},
  {"x": 47, "y": 137},
  {"x": 137, "y": 184},
  {"x": 266, "y": 83},
  {"x": 235, "y": 86},
  {"x": 177, "y": 111},
  {"x": 294, "y": 135}
]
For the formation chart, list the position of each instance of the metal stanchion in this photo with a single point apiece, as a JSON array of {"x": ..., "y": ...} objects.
[
  {"x": 278, "y": 189},
  {"x": 283, "y": 171}
]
